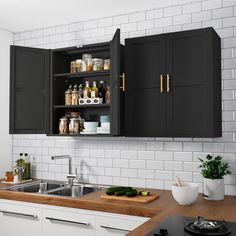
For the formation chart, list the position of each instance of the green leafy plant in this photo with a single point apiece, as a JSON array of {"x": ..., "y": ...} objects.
[{"x": 214, "y": 167}]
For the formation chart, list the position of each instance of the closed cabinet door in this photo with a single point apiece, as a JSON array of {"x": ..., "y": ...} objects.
[
  {"x": 145, "y": 108},
  {"x": 19, "y": 220},
  {"x": 63, "y": 223},
  {"x": 188, "y": 80},
  {"x": 117, "y": 226},
  {"x": 29, "y": 84}
]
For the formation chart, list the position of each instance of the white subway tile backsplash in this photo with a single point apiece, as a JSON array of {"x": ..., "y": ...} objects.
[
  {"x": 192, "y": 7},
  {"x": 171, "y": 11},
  {"x": 211, "y": 4},
  {"x": 141, "y": 162},
  {"x": 201, "y": 16},
  {"x": 182, "y": 19},
  {"x": 152, "y": 14},
  {"x": 162, "y": 22}
]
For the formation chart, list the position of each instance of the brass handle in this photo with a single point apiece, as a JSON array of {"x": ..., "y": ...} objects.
[
  {"x": 161, "y": 83},
  {"x": 168, "y": 83},
  {"x": 123, "y": 82}
]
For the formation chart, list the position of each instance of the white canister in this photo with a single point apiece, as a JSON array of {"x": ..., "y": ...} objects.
[{"x": 213, "y": 189}]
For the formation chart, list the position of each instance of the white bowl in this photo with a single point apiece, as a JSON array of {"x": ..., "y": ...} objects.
[
  {"x": 186, "y": 194},
  {"x": 91, "y": 124}
]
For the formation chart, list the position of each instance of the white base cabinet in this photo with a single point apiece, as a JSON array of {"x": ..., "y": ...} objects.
[
  {"x": 16, "y": 219},
  {"x": 21, "y": 218}
]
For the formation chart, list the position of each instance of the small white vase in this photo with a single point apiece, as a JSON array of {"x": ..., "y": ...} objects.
[{"x": 213, "y": 189}]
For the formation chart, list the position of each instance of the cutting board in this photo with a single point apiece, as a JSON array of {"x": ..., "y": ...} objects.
[{"x": 139, "y": 199}]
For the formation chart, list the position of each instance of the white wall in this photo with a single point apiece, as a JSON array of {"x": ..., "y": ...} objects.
[
  {"x": 6, "y": 39},
  {"x": 143, "y": 162}
]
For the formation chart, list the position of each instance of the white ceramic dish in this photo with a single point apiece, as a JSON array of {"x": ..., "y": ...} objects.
[
  {"x": 186, "y": 194},
  {"x": 88, "y": 132}
]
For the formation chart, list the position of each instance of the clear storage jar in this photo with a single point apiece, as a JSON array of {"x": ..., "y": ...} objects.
[
  {"x": 97, "y": 64},
  {"x": 78, "y": 65},
  {"x": 74, "y": 125},
  {"x": 63, "y": 127},
  {"x": 107, "y": 64},
  {"x": 87, "y": 58}
]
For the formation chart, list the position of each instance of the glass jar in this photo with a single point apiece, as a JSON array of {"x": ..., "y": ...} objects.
[
  {"x": 63, "y": 128},
  {"x": 73, "y": 67},
  {"x": 74, "y": 125},
  {"x": 87, "y": 58},
  {"x": 97, "y": 64},
  {"x": 78, "y": 65},
  {"x": 106, "y": 64}
]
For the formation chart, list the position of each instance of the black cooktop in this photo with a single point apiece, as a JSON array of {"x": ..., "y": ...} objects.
[{"x": 186, "y": 226}]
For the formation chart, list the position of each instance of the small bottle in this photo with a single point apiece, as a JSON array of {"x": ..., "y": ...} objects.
[
  {"x": 87, "y": 90},
  {"x": 102, "y": 91},
  {"x": 27, "y": 170},
  {"x": 108, "y": 94},
  {"x": 75, "y": 96},
  {"x": 68, "y": 96},
  {"x": 94, "y": 90},
  {"x": 80, "y": 91}
]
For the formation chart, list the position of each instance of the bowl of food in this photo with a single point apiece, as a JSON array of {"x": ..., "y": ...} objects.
[{"x": 186, "y": 193}]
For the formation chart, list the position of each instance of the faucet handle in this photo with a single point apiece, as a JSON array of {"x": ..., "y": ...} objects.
[{"x": 71, "y": 176}]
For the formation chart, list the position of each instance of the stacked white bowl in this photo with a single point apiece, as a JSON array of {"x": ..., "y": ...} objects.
[{"x": 90, "y": 127}]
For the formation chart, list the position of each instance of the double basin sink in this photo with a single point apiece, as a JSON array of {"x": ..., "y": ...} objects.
[{"x": 56, "y": 188}]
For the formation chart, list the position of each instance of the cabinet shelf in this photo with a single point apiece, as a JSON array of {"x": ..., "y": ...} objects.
[
  {"x": 80, "y": 106},
  {"x": 83, "y": 74}
]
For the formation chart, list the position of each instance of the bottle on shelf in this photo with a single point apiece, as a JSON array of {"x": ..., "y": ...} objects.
[
  {"x": 75, "y": 96},
  {"x": 80, "y": 91},
  {"x": 108, "y": 94},
  {"x": 27, "y": 171},
  {"x": 102, "y": 91},
  {"x": 87, "y": 90},
  {"x": 94, "y": 90}
]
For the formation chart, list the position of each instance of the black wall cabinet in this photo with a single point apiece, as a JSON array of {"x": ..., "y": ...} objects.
[
  {"x": 173, "y": 85},
  {"x": 39, "y": 79},
  {"x": 29, "y": 90}
]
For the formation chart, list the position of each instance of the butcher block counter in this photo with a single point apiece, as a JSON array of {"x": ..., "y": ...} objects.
[{"x": 158, "y": 210}]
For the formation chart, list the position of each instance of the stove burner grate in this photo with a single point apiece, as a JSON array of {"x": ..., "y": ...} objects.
[{"x": 207, "y": 228}]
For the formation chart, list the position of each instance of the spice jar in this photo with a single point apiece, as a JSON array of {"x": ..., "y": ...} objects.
[
  {"x": 74, "y": 125},
  {"x": 78, "y": 65},
  {"x": 87, "y": 58},
  {"x": 97, "y": 64},
  {"x": 106, "y": 65},
  {"x": 9, "y": 176},
  {"x": 68, "y": 96},
  {"x": 63, "y": 128},
  {"x": 73, "y": 67},
  {"x": 75, "y": 96}
]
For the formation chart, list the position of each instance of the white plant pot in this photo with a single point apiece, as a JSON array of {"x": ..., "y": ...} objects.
[{"x": 213, "y": 189}]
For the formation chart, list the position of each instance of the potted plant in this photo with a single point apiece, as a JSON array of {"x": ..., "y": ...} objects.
[{"x": 213, "y": 171}]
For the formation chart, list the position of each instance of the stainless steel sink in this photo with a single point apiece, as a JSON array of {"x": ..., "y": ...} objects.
[
  {"x": 76, "y": 190},
  {"x": 41, "y": 186},
  {"x": 56, "y": 188}
]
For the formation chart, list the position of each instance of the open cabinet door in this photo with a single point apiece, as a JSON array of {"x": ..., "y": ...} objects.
[
  {"x": 116, "y": 93},
  {"x": 29, "y": 82}
]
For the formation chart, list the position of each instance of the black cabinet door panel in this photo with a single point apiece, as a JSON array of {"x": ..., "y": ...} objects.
[
  {"x": 190, "y": 69},
  {"x": 144, "y": 102},
  {"x": 29, "y": 90}
]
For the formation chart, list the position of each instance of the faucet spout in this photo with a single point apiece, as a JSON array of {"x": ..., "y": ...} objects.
[{"x": 64, "y": 157}]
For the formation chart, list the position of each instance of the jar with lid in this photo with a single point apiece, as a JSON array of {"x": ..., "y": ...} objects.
[
  {"x": 87, "y": 58},
  {"x": 74, "y": 125},
  {"x": 78, "y": 65},
  {"x": 68, "y": 96},
  {"x": 73, "y": 67},
  {"x": 107, "y": 64},
  {"x": 75, "y": 96},
  {"x": 63, "y": 127},
  {"x": 97, "y": 64}
]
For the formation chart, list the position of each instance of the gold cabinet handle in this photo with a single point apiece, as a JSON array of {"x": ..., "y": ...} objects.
[
  {"x": 168, "y": 83},
  {"x": 161, "y": 84},
  {"x": 123, "y": 82}
]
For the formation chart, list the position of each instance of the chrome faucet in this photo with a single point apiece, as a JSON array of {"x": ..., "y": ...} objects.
[{"x": 70, "y": 175}]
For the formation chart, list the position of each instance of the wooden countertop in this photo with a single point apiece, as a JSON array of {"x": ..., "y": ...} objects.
[{"x": 157, "y": 210}]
